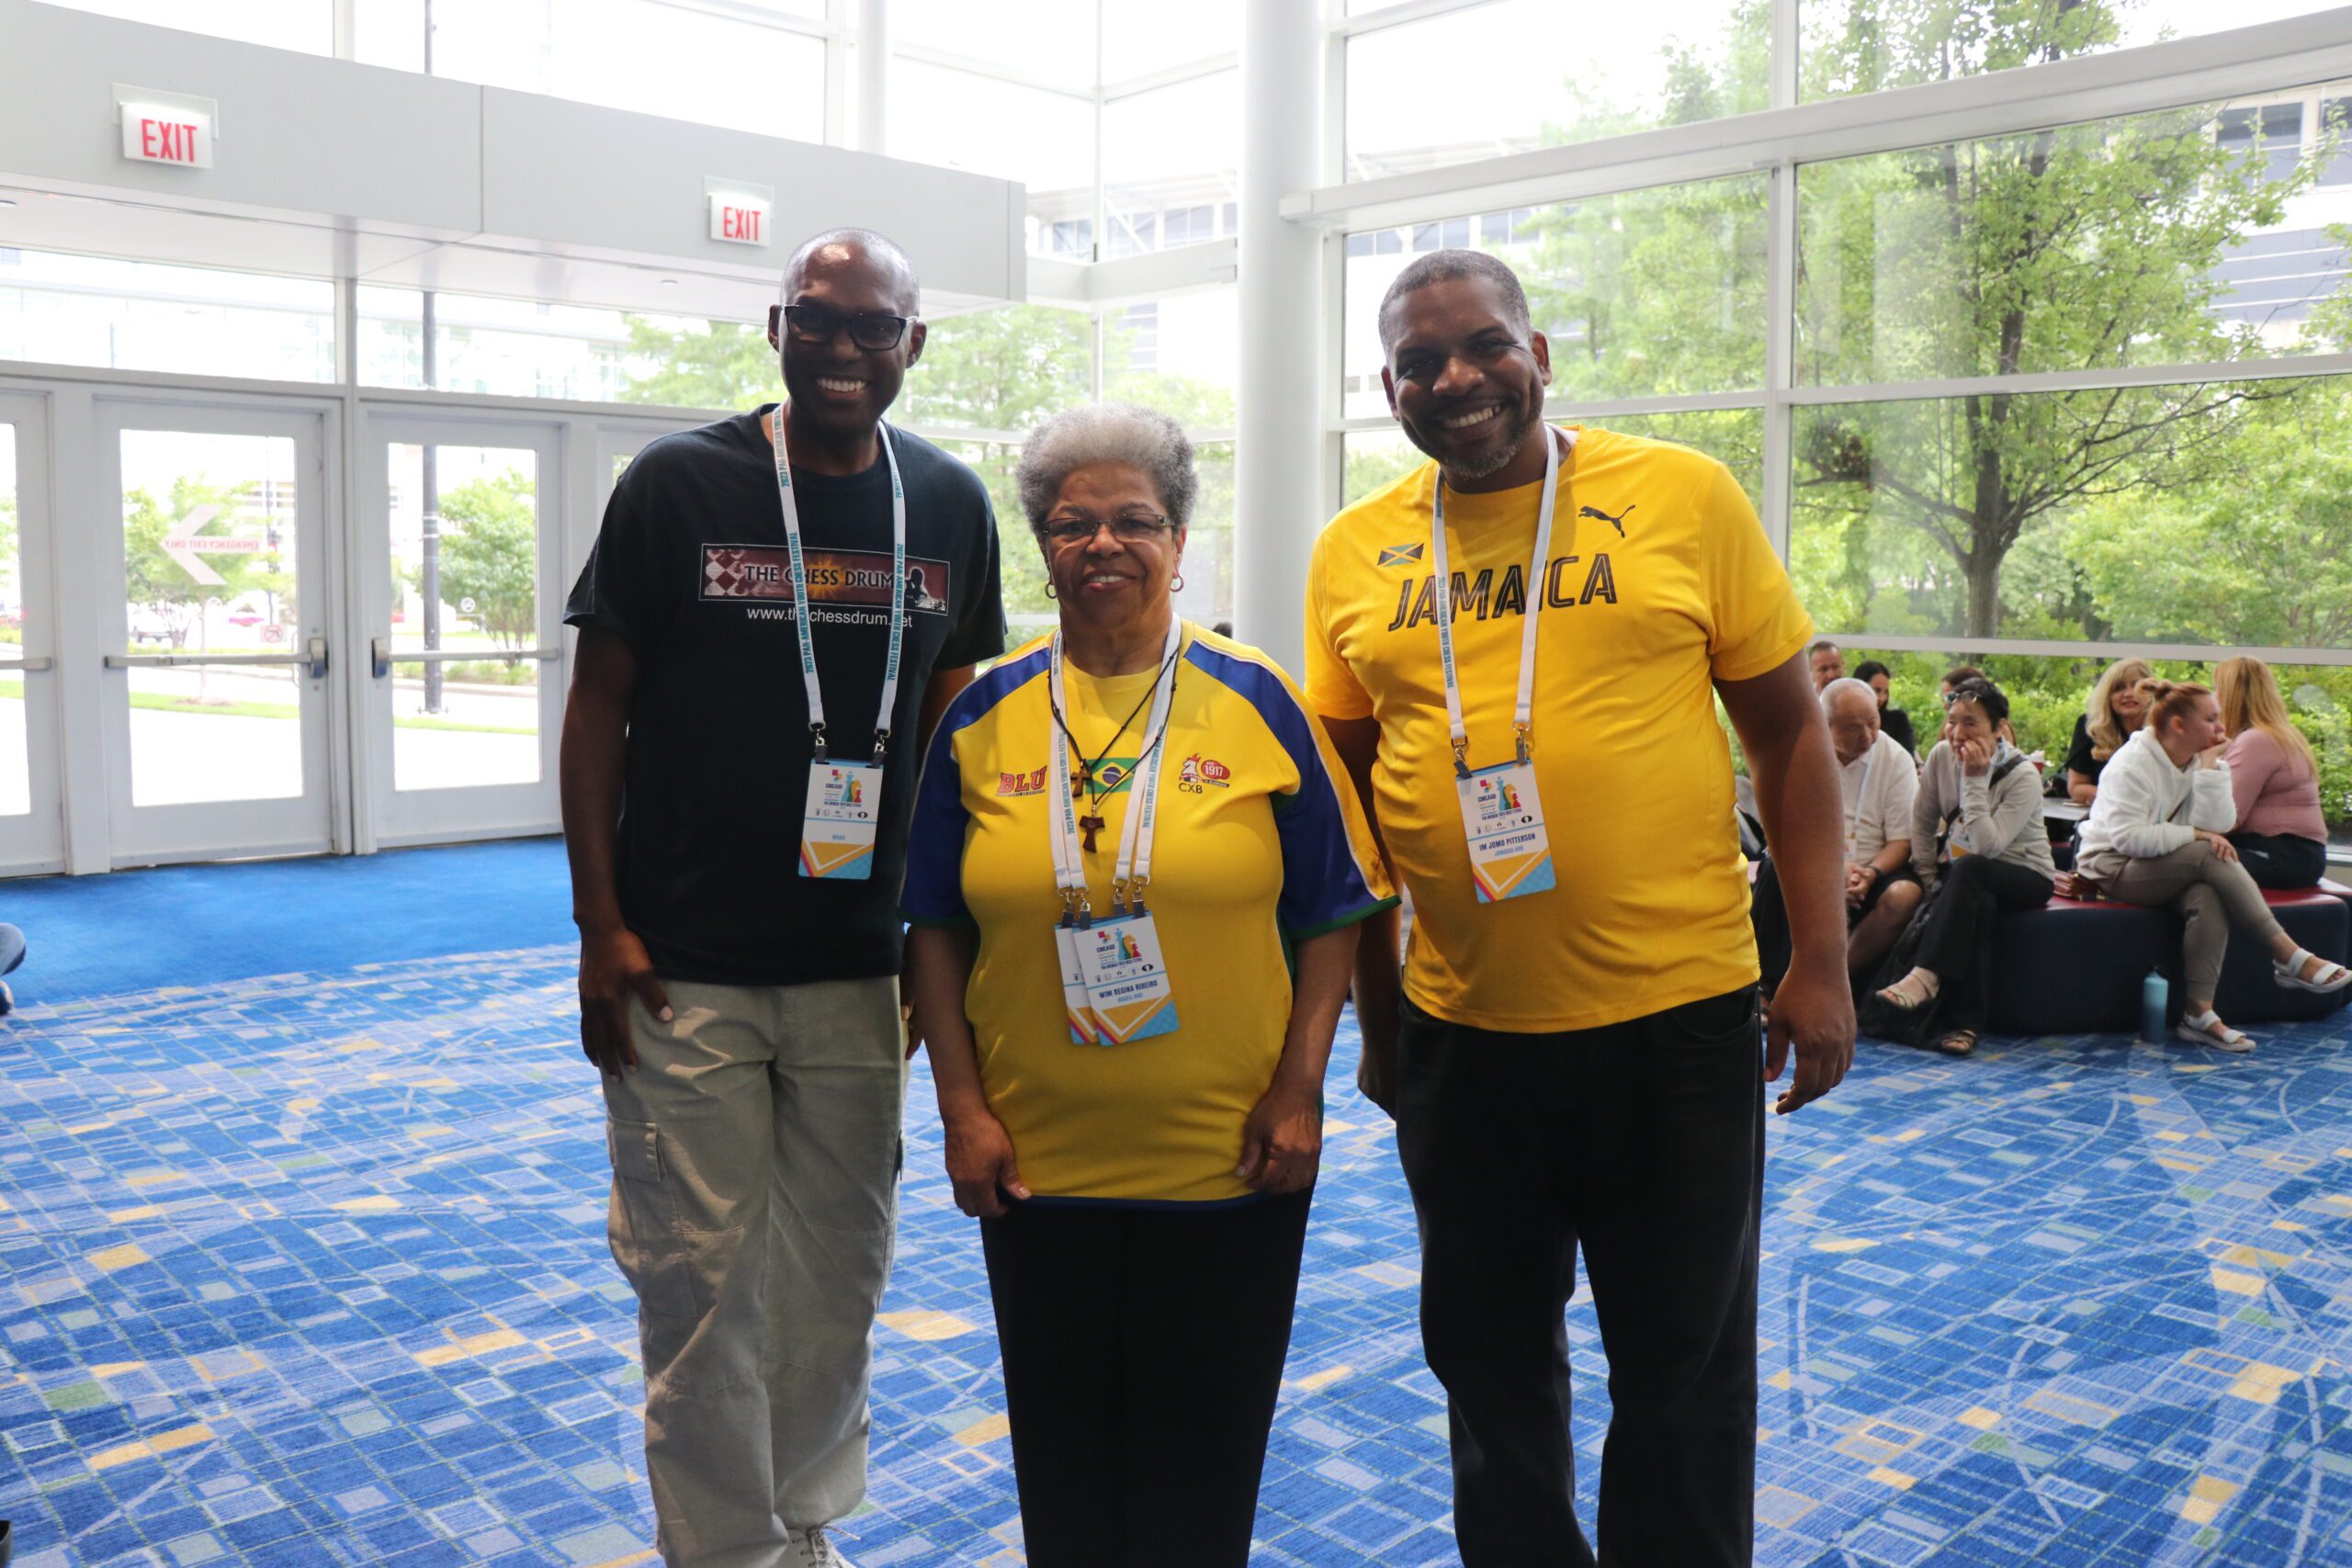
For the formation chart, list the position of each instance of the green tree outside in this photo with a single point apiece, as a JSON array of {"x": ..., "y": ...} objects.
[
  {"x": 160, "y": 585},
  {"x": 490, "y": 554},
  {"x": 8, "y": 567},
  {"x": 999, "y": 371}
]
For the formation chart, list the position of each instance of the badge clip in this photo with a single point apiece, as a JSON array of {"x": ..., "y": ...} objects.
[{"x": 817, "y": 739}]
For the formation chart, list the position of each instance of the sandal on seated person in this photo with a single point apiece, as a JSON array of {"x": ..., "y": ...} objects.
[
  {"x": 1912, "y": 992},
  {"x": 2206, "y": 1029},
  {"x": 1959, "y": 1043},
  {"x": 2327, "y": 977}
]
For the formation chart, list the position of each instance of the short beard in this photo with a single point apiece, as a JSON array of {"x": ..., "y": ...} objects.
[{"x": 1480, "y": 468}]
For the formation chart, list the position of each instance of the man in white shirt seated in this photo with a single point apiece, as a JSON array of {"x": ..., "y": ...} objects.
[{"x": 1879, "y": 779}]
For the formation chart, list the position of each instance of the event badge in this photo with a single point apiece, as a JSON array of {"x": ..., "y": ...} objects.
[
  {"x": 1503, "y": 818},
  {"x": 837, "y": 827},
  {"x": 1076, "y": 1005},
  {"x": 844, "y": 804},
  {"x": 1502, "y": 815},
  {"x": 1127, "y": 979},
  {"x": 1114, "y": 980}
]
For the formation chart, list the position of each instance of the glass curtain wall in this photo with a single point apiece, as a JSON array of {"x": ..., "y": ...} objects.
[
  {"x": 1123, "y": 121},
  {"x": 2050, "y": 393}
]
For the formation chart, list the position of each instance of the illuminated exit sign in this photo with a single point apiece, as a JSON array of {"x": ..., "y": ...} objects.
[
  {"x": 166, "y": 128},
  {"x": 739, "y": 214}
]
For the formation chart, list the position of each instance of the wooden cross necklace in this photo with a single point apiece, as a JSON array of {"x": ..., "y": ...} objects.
[{"x": 1091, "y": 823}]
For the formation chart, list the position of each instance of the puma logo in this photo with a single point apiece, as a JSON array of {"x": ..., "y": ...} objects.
[{"x": 1617, "y": 522}]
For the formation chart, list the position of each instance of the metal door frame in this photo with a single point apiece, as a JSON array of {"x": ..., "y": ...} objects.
[
  {"x": 316, "y": 822},
  {"x": 393, "y": 817},
  {"x": 36, "y": 841}
]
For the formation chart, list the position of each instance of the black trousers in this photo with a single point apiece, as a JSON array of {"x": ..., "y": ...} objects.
[
  {"x": 2281, "y": 859},
  {"x": 1767, "y": 913},
  {"x": 1973, "y": 891},
  {"x": 1642, "y": 1143},
  {"x": 1143, "y": 1350}
]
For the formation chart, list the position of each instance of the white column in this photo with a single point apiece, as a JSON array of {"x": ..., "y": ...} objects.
[
  {"x": 1278, "y": 502},
  {"x": 874, "y": 77}
]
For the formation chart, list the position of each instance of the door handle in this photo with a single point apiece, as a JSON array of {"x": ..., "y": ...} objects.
[
  {"x": 380, "y": 654},
  {"x": 314, "y": 655}
]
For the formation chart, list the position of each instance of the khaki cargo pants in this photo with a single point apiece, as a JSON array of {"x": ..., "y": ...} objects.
[{"x": 755, "y": 1153}]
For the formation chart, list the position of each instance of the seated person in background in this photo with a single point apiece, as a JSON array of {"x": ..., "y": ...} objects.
[
  {"x": 1892, "y": 720},
  {"x": 12, "y": 953},
  {"x": 1879, "y": 781},
  {"x": 1826, "y": 661},
  {"x": 2113, "y": 716},
  {"x": 1978, "y": 797},
  {"x": 2155, "y": 838},
  {"x": 2274, "y": 777},
  {"x": 1950, "y": 683}
]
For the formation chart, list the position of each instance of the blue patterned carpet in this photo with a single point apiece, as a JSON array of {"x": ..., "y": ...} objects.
[{"x": 312, "y": 1270}]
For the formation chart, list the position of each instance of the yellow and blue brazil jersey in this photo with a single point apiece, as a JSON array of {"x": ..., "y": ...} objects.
[{"x": 1259, "y": 844}]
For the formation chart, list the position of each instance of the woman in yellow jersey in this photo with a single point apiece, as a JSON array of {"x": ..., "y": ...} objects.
[{"x": 1134, "y": 881}]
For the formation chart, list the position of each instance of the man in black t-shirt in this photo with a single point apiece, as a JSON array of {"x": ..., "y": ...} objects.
[{"x": 738, "y": 976}]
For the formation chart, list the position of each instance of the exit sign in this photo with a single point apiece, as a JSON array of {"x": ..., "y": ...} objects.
[
  {"x": 739, "y": 214},
  {"x": 166, "y": 128}
]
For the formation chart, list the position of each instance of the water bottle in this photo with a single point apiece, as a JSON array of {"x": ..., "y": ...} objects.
[{"x": 2155, "y": 992}]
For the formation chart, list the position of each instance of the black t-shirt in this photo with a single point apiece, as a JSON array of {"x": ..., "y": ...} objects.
[
  {"x": 691, "y": 567},
  {"x": 1897, "y": 723},
  {"x": 2078, "y": 752}
]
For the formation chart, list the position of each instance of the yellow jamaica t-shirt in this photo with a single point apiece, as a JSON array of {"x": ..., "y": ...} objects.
[
  {"x": 1661, "y": 581},
  {"x": 1259, "y": 844}
]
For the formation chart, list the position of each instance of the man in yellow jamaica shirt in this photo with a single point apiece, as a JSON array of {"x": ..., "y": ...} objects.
[{"x": 1516, "y": 649}]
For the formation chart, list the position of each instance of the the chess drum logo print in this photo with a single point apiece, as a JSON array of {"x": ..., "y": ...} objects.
[{"x": 859, "y": 579}]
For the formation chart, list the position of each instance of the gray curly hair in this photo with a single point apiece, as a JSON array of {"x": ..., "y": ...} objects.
[{"x": 1107, "y": 432}]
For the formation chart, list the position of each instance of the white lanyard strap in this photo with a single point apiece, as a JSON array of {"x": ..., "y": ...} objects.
[
  {"x": 800, "y": 615},
  {"x": 1131, "y": 872},
  {"x": 1061, "y": 816},
  {"x": 1523, "y": 716},
  {"x": 1134, "y": 839}
]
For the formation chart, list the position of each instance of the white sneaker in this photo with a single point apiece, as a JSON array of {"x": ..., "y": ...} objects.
[{"x": 812, "y": 1548}]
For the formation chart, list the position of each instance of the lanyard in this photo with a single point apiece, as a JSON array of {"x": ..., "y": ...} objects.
[
  {"x": 800, "y": 617},
  {"x": 1522, "y": 717},
  {"x": 1861, "y": 799},
  {"x": 1132, "y": 870}
]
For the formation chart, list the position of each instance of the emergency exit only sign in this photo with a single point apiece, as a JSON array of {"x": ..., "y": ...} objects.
[{"x": 166, "y": 128}]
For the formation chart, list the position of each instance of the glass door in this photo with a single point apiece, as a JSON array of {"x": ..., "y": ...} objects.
[
  {"x": 462, "y": 559},
  {"x": 216, "y": 691},
  {"x": 616, "y": 444},
  {"x": 32, "y": 827}
]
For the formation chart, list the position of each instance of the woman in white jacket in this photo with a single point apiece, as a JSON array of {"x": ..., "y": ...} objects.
[{"x": 2155, "y": 838}]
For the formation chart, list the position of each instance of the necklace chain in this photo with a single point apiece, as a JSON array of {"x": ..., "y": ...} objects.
[{"x": 1086, "y": 765}]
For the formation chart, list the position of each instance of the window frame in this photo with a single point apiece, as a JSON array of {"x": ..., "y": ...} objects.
[{"x": 2305, "y": 59}]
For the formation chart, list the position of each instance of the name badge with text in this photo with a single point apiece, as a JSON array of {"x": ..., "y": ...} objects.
[
  {"x": 837, "y": 827},
  {"x": 1502, "y": 815},
  {"x": 1127, "y": 979},
  {"x": 1076, "y": 1005}
]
